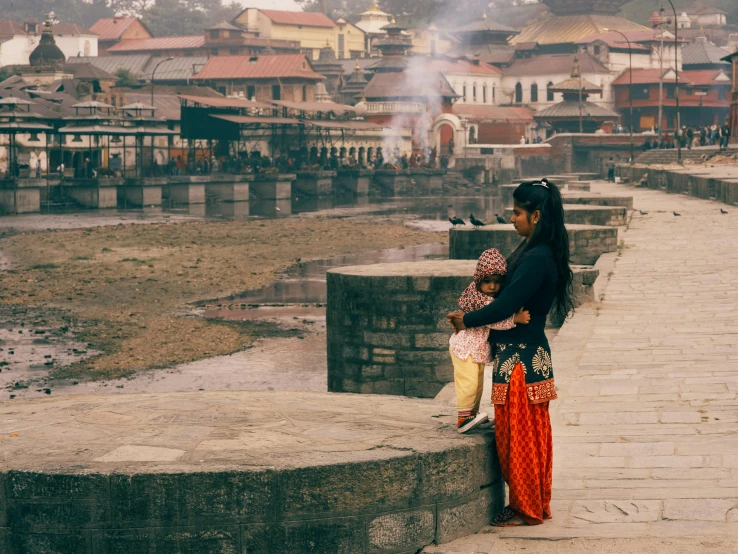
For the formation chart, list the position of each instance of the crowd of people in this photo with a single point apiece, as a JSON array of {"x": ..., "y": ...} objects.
[{"x": 690, "y": 137}]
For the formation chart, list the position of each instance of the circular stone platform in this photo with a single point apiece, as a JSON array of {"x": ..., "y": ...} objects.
[
  {"x": 582, "y": 214},
  {"x": 586, "y": 242},
  {"x": 234, "y": 472}
]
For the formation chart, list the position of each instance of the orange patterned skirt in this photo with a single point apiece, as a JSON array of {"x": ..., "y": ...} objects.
[{"x": 525, "y": 449}]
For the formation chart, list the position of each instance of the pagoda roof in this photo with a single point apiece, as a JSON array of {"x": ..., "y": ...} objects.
[
  {"x": 569, "y": 29},
  {"x": 570, "y": 109},
  {"x": 702, "y": 52}
]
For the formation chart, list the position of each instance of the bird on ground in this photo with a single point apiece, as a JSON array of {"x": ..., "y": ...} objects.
[
  {"x": 676, "y": 214},
  {"x": 643, "y": 213},
  {"x": 500, "y": 220},
  {"x": 456, "y": 221},
  {"x": 722, "y": 211},
  {"x": 474, "y": 221}
]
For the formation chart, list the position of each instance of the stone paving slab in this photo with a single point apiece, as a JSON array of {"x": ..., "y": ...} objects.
[{"x": 646, "y": 425}]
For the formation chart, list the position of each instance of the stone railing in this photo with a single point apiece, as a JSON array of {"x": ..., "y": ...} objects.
[{"x": 395, "y": 107}]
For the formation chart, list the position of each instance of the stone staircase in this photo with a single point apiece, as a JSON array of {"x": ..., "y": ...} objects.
[{"x": 664, "y": 157}]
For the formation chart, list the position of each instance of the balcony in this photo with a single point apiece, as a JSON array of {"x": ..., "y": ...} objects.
[{"x": 379, "y": 108}]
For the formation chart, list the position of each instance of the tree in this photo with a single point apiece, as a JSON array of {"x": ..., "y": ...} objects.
[{"x": 126, "y": 78}]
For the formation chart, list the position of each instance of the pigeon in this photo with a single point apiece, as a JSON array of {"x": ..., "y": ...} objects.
[
  {"x": 500, "y": 220},
  {"x": 676, "y": 214},
  {"x": 456, "y": 221},
  {"x": 474, "y": 221},
  {"x": 722, "y": 211},
  {"x": 643, "y": 213}
]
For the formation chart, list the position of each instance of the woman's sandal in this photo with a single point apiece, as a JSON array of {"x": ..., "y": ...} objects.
[{"x": 507, "y": 518}]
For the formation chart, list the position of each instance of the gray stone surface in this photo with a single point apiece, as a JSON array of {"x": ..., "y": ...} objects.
[
  {"x": 272, "y": 186},
  {"x": 586, "y": 242},
  {"x": 239, "y": 472},
  {"x": 578, "y": 214},
  {"x": 386, "y": 327},
  {"x": 313, "y": 183}
]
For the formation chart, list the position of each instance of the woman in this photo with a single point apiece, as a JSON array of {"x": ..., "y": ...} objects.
[{"x": 539, "y": 279}]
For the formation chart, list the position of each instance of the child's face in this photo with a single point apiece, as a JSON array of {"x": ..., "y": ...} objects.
[{"x": 491, "y": 285}]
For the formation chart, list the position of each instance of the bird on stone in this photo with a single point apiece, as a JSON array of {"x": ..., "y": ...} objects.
[
  {"x": 456, "y": 221},
  {"x": 500, "y": 220},
  {"x": 722, "y": 211},
  {"x": 643, "y": 213},
  {"x": 676, "y": 214},
  {"x": 474, "y": 221}
]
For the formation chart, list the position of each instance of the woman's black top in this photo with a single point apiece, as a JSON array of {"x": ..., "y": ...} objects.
[{"x": 531, "y": 283}]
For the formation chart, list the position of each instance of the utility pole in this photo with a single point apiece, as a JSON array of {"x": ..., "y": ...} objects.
[
  {"x": 678, "y": 128},
  {"x": 660, "y": 25},
  {"x": 630, "y": 97}
]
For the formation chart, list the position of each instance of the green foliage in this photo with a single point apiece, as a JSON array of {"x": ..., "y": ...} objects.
[
  {"x": 126, "y": 78},
  {"x": 187, "y": 17}
]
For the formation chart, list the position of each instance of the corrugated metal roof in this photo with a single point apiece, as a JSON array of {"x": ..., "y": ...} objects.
[
  {"x": 403, "y": 85},
  {"x": 567, "y": 110},
  {"x": 315, "y": 107},
  {"x": 462, "y": 67},
  {"x": 134, "y": 63},
  {"x": 181, "y": 68},
  {"x": 488, "y": 25},
  {"x": 249, "y": 119},
  {"x": 159, "y": 43},
  {"x": 111, "y": 28},
  {"x": 307, "y": 19},
  {"x": 260, "y": 67},
  {"x": 645, "y": 77},
  {"x": 567, "y": 29},
  {"x": 224, "y": 102},
  {"x": 478, "y": 113},
  {"x": 702, "y": 51},
  {"x": 552, "y": 64},
  {"x": 88, "y": 71},
  {"x": 70, "y": 29}
]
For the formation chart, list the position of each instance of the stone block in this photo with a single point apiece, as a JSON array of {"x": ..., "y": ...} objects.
[
  {"x": 168, "y": 541},
  {"x": 612, "y": 216},
  {"x": 394, "y": 387},
  {"x": 339, "y": 489},
  {"x": 391, "y": 340},
  {"x": 337, "y": 536},
  {"x": 432, "y": 340},
  {"x": 169, "y": 499},
  {"x": 458, "y": 520},
  {"x": 597, "y": 200},
  {"x": 402, "y": 531}
]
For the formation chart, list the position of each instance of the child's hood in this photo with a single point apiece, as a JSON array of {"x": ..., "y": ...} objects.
[{"x": 491, "y": 262}]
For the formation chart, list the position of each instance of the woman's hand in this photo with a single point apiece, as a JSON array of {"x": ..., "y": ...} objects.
[
  {"x": 457, "y": 320},
  {"x": 522, "y": 316}
]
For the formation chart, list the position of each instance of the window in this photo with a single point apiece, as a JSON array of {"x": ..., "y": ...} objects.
[
  {"x": 722, "y": 93},
  {"x": 214, "y": 51},
  {"x": 276, "y": 92},
  {"x": 234, "y": 51},
  {"x": 494, "y": 93},
  {"x": 474, "y": 92},
  {"x": 640, "y": 92},
  {"x": 222, "y": 90},
  {"x": 534, "y": 92},
  {"x": 484, "y": 94},
  {"x": 214, "y": 34},
  {"x": 463, "y": 94},
  {"x": 518, "y": 93},
  {"x": 341, "y": 45},
  {"x": 596, "y": 50},
  {"x": 304, "y": 93},
  {"x": 87, "y": 47},
  {"x": 549, "y": 94},
  {"x": 250, "y": 91}
]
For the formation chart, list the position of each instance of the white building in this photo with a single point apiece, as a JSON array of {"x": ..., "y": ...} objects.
[
  {"x": 707, "y": 16},
  {"x": 17, "y": 41},
  {"x": 475, "y": 82}
]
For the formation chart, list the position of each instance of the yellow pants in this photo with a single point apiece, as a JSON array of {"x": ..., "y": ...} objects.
[{"x": 469, "y": 382}]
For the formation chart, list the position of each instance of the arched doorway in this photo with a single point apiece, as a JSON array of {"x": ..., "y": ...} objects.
[{"x": 447, "y": 135}]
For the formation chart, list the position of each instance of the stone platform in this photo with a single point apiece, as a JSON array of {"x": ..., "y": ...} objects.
[
  {"x": 239, "y": 472},
  {"x": 582, "y": 214},
  {"x": 586, "y": 242},
  {"x": 386, "y": 324},
  {"x": 573, "y": 196}
]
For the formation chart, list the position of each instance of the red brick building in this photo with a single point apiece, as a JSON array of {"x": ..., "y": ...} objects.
[
  {"x": 704, "y": 97},
  {"x": 733, "y": 59}
]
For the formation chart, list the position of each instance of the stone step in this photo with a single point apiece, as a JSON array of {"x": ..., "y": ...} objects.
[
  {"x": 586, "y": 242},
  {"x": 581, "y": 214}
]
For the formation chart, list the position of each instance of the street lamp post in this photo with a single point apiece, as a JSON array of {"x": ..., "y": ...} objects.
[
  {"x": 630, "y": 95},
  {"x": 676, "y": 86},
  {"x": 153, "y": 73},
  {"x": 661, "y": 24}
]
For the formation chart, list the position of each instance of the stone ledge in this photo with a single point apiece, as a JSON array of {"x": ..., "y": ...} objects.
[
  {"x": 222, "y": 471},
  {"x": 586, "y": 242},
  {"x": 582, "y": 214}
]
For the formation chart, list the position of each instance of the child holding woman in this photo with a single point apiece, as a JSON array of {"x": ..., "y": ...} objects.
[{"x": 470, "y": 348}]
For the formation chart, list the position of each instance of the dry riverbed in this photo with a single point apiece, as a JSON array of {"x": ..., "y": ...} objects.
[{"x": 124, "y": 291}]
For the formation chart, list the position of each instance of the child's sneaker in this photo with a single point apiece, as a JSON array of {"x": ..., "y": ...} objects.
[{"x": 470, "y": 422}]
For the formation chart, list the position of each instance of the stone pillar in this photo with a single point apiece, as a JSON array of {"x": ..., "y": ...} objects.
[{"x": 272, "y": 186}]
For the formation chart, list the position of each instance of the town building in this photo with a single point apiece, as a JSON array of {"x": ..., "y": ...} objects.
[
  {"x": 701, "y": 15},
  {"x": 473, "y": 81},
  {"x": 289, "y": 77},
  {"x": 704, "y": 97},
  {"x": 372, "y": 23},
  {"x": 112, "y": 30},
  {"x": 486, "y": 40},
  {"x": 703, "y": 54},
  {"x": 17, "y": 41},
  {"x": 312, "y": 30},
  {"x": 186, "y": 45}
]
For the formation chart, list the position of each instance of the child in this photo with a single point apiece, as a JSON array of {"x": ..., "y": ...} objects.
[{"x": 470, "y": 349}]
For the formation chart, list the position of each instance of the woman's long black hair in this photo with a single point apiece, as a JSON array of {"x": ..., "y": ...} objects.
[{"x": 543, "y": 195}]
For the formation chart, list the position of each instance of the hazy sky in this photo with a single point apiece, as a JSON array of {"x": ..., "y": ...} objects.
[{"x": 271, "y": 4}]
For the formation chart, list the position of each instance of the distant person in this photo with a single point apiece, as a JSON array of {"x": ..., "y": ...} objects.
[
  {"x": 725, "y": 136},
  {"x": 611, "y": 170},
  {"x": 470, "y": 348}
]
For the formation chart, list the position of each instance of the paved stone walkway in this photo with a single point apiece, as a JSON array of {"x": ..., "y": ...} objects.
[{"x": 646, "y": 425}]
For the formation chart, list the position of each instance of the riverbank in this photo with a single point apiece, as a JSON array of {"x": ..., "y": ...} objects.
[{"x": 124, "y": 291}]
